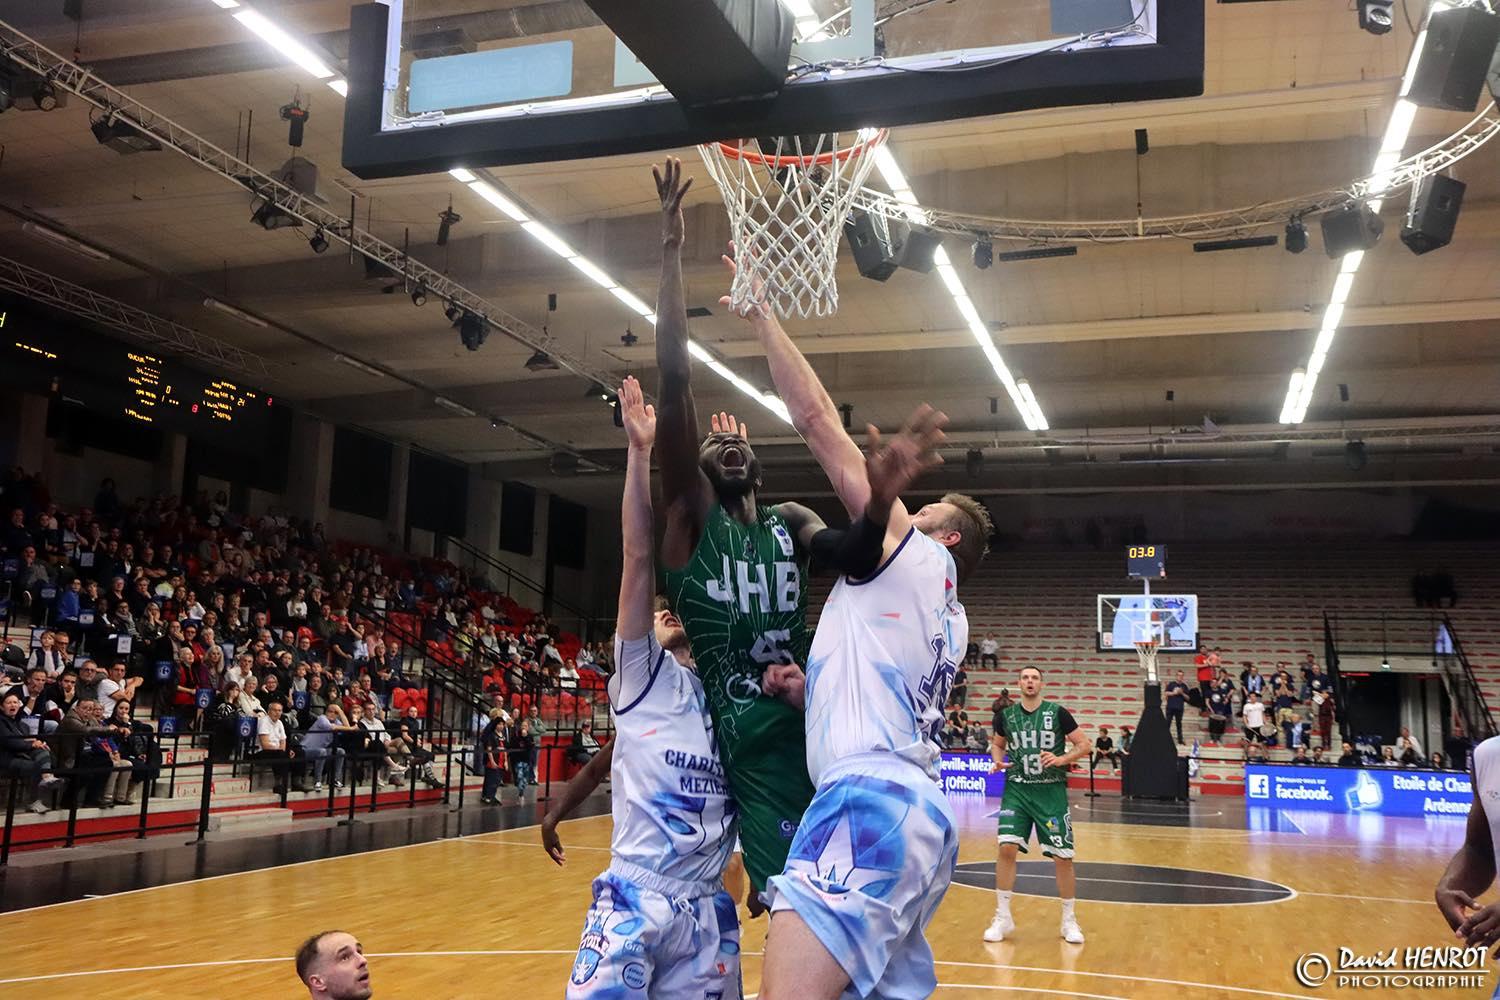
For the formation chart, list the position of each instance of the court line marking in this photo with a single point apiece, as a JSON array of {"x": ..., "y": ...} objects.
[{"x": 282, "y": 959}]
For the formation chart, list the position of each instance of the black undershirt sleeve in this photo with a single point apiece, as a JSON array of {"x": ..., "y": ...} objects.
[
  {"x": 1065, "y": 722},
  {"x": 854, "y": 551}
]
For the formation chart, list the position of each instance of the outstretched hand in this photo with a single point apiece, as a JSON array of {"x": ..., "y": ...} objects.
[
  {"x": 725, "y": 423},
  {"x": 670, "y": 188},
  {"x": 896, "y": 465},
  {"x": 552, "y": 843},
  {"x": 638, "y": 416},
  {"x": 755, "y": 307}
]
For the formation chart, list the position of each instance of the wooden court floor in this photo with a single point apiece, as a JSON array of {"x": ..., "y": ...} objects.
[{"x": 489, "y": 916}]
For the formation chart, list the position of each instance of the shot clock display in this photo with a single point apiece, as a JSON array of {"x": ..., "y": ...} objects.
[{"x": 1146, "y": 562}]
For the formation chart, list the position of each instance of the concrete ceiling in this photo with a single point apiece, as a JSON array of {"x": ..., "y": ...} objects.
[{"x": 1296, "y": 99}]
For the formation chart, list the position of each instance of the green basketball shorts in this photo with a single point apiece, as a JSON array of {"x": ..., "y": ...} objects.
[{"x": 1043, "y": 807}]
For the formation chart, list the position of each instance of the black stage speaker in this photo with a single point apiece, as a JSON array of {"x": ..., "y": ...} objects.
[
  {"x": 1458, "y": 53},
  {"x": 876, "y": 242},
  {"x": 1153, "y": 769},
  {"x": 1435, "y": 201},
  {"x": 1353, "y": 227}
]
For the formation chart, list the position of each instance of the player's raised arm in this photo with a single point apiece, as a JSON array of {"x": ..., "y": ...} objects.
[
  {"x": 685, "y": 489},
  {"x": 811, "y": 409},
  {"x": 637, "y": 576}
]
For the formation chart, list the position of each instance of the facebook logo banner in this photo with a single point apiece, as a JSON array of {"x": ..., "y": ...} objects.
[
  {"x": 1377, "y": 791},
  {"x": 969, "y": 774}
]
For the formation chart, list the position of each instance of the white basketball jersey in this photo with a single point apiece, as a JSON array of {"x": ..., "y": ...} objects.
[
  {"x": 672, "y": 811},
  {"x": 883, "y": 658},
  {"x": 1487, "y": 787}
]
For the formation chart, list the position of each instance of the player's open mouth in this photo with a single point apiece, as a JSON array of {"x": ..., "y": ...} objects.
[{"x": 732, "y": 457}]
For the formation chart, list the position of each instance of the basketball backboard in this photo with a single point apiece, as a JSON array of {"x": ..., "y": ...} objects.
[
  {"x": 436, "y": 84},
  {"x": 1127, "y": 619}
]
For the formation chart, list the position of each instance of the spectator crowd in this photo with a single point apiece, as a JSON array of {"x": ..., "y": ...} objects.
[{"x": 255, "y": 631}]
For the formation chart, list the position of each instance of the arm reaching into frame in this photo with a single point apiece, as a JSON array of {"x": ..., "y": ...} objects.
[
  {"x": 580, "y": 787},
  {"x": 686, "y": 492},
  {"x": 638, "y": 574},
  {"x": 811, "y": 409}
]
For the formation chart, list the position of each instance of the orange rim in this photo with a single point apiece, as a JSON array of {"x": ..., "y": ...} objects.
[{"x": 739, "y": 152}]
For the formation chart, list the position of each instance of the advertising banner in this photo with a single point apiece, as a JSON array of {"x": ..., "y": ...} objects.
[
  {"x": 1376, "y": 790},
  {"x": 969, "y": 774}
]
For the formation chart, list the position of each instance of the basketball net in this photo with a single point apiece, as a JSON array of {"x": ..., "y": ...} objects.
[
  {"x": 1147, "y": 650},
  {"x": 787, "y": 200}
]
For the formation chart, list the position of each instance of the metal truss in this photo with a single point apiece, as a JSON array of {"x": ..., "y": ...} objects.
[
  {"x": 1229, "y": 222},
  {"x": 31, "y": 55},
  {"x": 137, "y": 324}
]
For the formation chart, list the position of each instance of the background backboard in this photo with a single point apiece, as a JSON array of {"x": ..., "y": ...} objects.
[
  {"x": 1125, "y": 619},
  {"x": 484, "y": 82}
]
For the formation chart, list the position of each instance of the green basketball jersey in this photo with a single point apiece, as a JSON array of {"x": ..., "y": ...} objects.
[
  {"x": 1027, "y": 735},
  {"x": 742, "y": 599}
]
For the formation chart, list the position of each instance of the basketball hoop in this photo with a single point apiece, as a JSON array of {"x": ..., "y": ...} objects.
[
  {"x": 1147, "y": 650},
  {"x": 787, "y": 207}
]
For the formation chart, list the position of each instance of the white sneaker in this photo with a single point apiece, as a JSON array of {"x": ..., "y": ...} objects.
[
  {"x": 1000, "y": 926},
  {"x": 1071, "y": 932}
]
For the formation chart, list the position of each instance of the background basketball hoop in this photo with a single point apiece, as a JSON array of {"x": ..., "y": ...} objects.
[{"x": 787, "y": 199}]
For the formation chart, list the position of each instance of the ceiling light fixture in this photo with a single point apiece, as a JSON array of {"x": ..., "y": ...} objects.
[
  {"x": 359, "y": 365},
  {"x": 419, "y": 294},
  {"x": 540, "y": 362},
  {"x": 890, "y": 171},
  {"x": 1398, "y": 127},
  {"x": 64, "y": 242},
  {"x": 453, "y": 406},
  {"x": 318, "y": 241},
  {"x": 274, "y": 35},
  {"x": 235, "y": 312}
]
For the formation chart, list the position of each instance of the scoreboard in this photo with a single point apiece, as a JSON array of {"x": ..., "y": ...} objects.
[{"x": 52, "y": 355}]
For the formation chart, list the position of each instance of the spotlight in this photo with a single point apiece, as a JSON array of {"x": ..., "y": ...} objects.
[
  {"x": 453, "y": 313},
  {"x": 472, "y": 330},
  {"x": 984, "y": 254},
  {"x": 1239, "y": 243},
  {"x": 419, "y": 294},
  {"x": 618, "y": 415},
  {"x": 629, "y": 339},
  {"x": 1296, "y": 236},
  {"x": 45, "y": 96},
  {"x": 268, "y": 216},
  {"x": 120, "y": 136},
  {"x": 447, "y": 219},
  {"x": 1354, "y": 456},
  {"x": 539, "y": 362},
  {"x": 1375, "y": 15},
  {"x": 1343, "y": 392},
  {"x": 596, "y": 389},
  {"x": 296, "y": 116},
  {"x": 973, "y": 459},
  {"x": 994, "y": 405},
  {"x": 318, "y": 241},
  {"x": 846, "y": 413}
]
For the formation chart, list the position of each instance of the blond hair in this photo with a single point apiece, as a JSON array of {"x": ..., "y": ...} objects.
[{"x": 974, "y": 528}]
